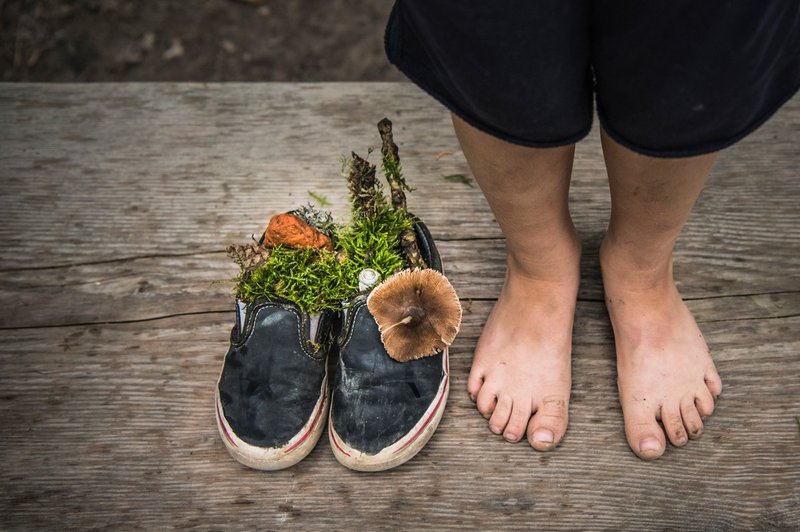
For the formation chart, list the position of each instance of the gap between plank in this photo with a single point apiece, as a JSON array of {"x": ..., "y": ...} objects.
[
  {"x": 745, "y": 319},
  {"x": 119, "y": 322},
  {"x": 226, "y": 311},
  {"x": 176, "y": 255},
  {"x": 111, "y": 261}
]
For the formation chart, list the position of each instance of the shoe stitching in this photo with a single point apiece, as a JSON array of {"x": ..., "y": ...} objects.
[{"x": 251, "y": 325}]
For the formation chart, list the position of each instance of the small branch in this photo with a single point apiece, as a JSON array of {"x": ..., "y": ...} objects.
[
  {"x": 397, "y": 185},
  {"x": 408, "y": 243},
  {"x": 391, "y": 165}
]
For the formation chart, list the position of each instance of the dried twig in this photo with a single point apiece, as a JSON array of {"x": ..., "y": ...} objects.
[
  {"x": 391, "y": 165},
  {"x": 398, "y": 186}
]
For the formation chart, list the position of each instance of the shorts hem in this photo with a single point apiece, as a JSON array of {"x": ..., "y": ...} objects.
[
  {"x": 393, "y": 43},
  {"x": 703, "y": 149},
  {"x": 567, "y": 141}
]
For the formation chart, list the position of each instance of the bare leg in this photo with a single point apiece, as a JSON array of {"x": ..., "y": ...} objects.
[
  {"x": 664, "y": 368},
  {"x": 522, "y": 365}
]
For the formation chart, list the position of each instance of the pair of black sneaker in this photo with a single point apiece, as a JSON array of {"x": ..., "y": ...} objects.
[{"x": 273, "y": 395}]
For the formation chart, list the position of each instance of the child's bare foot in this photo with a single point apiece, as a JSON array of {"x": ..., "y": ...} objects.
[
  {"x": 664, "y": 368},
  {"x": 522, "y": 360}
]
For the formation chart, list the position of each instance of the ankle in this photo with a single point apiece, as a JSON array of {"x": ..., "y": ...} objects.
[
  {"x": 554, "y": 259},
  {"x": 636, "y": 268}
]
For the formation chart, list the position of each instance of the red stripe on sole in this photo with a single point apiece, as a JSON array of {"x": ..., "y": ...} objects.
[
  {"x": 427, "y": 421},
  {"x": 296, "y": 444},
  {"x": 335, "y": 441},
  {"x": 224, "y": 430}
]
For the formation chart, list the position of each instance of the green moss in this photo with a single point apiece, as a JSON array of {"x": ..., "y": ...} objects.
[
  {"x": 318, "y": 279},
  {"x": 393, "y": 171}
]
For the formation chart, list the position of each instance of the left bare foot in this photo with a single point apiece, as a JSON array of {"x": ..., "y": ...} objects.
[{"x": 664, "y": 368}]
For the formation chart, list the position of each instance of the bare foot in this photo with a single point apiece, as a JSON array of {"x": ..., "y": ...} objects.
[
  {"x": 522, "y": 366},
  {"x": 664, "y": 368}
]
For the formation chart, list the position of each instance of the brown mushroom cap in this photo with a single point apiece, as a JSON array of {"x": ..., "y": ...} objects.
[{"x": 418, "y": 313}]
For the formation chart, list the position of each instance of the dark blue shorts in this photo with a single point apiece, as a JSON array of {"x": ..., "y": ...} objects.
[{"x": 672, "y": 78}]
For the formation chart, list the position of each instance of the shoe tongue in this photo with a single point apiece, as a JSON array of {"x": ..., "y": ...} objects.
[
  {"x": 313, "y": 326},
  {"x": 241, "y": 314}
]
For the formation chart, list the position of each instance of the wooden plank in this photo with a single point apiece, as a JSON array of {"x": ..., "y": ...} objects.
[
  {"x": 195, "y": 166},
  {"x": 116, "y": 201},
  {"x": 123, "y": 170},
  {"x": 113, "y": 426},
  {"x": 153, "y": 287}
]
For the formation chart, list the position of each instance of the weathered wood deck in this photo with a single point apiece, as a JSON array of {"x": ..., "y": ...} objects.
[{"x": 116, "y": 202}]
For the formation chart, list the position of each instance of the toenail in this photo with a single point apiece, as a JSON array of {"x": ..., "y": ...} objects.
[
  {"x": 472, "y": 397},
  {"x": 649, "y": 444},
  {"x": 510, "y": 437},
  {"x": 543, "y": 436},
  {"x": 494, "y": 429}
]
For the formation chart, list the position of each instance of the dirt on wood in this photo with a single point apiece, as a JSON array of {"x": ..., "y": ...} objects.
[{"x": 194, "y": 40}]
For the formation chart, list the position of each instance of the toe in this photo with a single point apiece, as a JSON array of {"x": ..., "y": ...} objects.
[
  {"x": 549, "y": 424},
  {"x": 499, "y": 418},
  {"x": 673, "y": 425},
  {"x": 644, "y": 435},
  {"x": 713, "y": 382},
  {"x": 486, "y": 402},
  {"x": 520, "y": 414},
  {"x": 704, "y": 402},
  {"x": 691, "y": 419},
  {"x": 474, "y": 383}
]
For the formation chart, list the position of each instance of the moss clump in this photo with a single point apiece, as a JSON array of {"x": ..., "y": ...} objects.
[
  {"x": 316, "y": 279},
  {"x": 380, "y": 236}
]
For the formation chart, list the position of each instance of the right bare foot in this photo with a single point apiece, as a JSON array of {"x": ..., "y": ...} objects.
[{"x": 522, "y": 362}]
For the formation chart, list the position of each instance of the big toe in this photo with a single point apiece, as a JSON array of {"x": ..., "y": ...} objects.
[
  {"x": 548, "y": 425},
  {"x": 644, "y": 435},
  {"x": 713, "y": 382}
]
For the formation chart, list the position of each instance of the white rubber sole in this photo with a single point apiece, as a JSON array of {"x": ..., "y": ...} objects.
[
  {"x": 404, "y": 449},
  {"x": 274, "y": 458}
]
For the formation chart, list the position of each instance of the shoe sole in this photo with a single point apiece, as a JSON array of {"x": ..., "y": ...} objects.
[
  {"x": 406, "y": 447},
  {"x": 275, "y": 458}
]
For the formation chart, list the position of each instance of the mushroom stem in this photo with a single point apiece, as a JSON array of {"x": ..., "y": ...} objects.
[{"x": 404, "y": 321}]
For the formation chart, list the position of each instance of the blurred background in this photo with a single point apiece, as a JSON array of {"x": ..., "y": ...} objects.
[{"x": 194, "y": 40}]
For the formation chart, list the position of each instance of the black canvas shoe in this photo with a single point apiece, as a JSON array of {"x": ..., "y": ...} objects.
[
  {"x": 272, "y": 393},
  {"x": 383, "y": 412}
]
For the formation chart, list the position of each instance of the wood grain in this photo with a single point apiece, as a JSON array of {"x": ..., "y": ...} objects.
[{"x": 116, "y": 201}]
